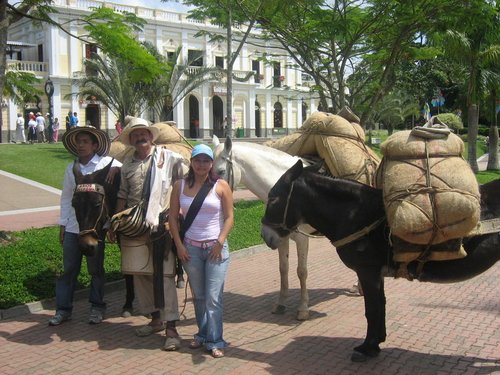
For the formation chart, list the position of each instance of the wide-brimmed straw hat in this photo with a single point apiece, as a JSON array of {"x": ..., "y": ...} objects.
[
  {"x": 135, "y": 123},
  {"x": 69, "y": 139}
]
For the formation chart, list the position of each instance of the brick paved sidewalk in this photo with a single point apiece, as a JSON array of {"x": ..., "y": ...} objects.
[{"x": 432, "y": 329}]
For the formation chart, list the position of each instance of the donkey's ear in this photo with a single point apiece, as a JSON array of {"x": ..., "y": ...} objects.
[
  {"x": 215, "y": 140},
  {"x": 316, "y": 167},
  {"x": 76, "y": 172},
  {"x": 100, "y": 175},
  {"x": 293, "y": 173}
]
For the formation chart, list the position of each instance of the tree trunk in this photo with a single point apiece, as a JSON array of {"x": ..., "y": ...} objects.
[
  {"x": 493, "y": 136},
  {"x": 4, "y": 26},
  {"x": 229, "y": 94},
  {"x": 473, "y": 123}
]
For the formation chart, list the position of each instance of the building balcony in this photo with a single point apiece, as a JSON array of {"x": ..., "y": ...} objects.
[{"x": 39, "y": 69}]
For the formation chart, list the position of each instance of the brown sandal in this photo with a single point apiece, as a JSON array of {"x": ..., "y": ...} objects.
[{"x": 217, "y": 353}]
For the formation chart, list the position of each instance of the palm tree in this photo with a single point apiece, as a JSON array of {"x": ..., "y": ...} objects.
[
  {"x": 177, "y": 81},
  {"x": 394, "y": 109},
  {"x": 109, "y": 80},
  {"x": 475, "y": 46}
]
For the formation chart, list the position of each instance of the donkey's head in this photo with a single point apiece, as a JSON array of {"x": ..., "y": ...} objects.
[{"x": 93, "y": 203}]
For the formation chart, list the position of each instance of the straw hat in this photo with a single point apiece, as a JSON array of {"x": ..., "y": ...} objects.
[
  {"x": 135, "y": 123},
  {"x": 69, "y": 139}
]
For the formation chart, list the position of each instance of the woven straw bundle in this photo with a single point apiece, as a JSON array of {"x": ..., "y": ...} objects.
[
  {"x": 336, "y": 140},
  {"x": 430, "y": 193}
]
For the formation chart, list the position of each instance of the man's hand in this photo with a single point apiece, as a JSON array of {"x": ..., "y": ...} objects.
[
  {"x": 113, "y": 171},
  {"x": 111, "y": 236}
]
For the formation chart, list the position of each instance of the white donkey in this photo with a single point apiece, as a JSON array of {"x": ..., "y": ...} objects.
[{"x": 259, "y": 168}]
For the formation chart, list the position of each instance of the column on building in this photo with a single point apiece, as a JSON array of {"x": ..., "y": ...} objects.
[
  {"x": 206, "y": 128},
  {"x": 250, "y": 113},
  {"x": 269, "y": 123},
  {"x": 75, "y": 53}
]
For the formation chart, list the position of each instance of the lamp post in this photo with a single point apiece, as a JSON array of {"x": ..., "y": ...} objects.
[{"x": 49, "y": 90}]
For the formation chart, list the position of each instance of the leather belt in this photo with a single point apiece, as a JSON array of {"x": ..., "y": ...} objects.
[{"x": 200, "y": 244}]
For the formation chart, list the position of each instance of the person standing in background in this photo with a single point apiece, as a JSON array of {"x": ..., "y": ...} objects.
[
  {"x": 55, "y": 130},
  {"x": 68, "y": 121},
  {"x": 73, "y": 120},
  {"x": 31, "y": 128},
  {"x": 20, "y": 136},
  {"x": 40, "y": 128},
  {"x": 118, "y": 127}
]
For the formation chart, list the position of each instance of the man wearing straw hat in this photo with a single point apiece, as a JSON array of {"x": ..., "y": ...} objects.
[
  {"x": 90, "y": 146},
  {"x": 147, "y": 256}
]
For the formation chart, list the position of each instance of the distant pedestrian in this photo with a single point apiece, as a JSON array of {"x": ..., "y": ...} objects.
[
  {"x": 73, "y": 121},
  {"x": 40, "y": 128},
  {"x": 20, "y": 136},
  {"x": 118, "y": 127},
  {"x": 55, "y": 130},
  {"x": 68, "y": 121},
  {"x": 31, "y": 128}
]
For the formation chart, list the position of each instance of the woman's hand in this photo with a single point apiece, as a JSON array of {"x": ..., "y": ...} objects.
[
  {"x": 216, "y": 252},
  {"x": 182, "y": 254}
]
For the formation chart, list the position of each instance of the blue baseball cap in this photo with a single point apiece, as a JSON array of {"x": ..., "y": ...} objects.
[{"x": 202, "y": 149}]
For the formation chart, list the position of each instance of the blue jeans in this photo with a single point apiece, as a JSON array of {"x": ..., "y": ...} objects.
[
  {"x": 66, "y": 283},
  {"x": 207, "y": 282}
]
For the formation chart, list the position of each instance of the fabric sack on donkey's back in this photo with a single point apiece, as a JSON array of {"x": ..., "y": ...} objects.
[
  {"x": 430, "y": 192},
  {"x": 338, "y": 140}
]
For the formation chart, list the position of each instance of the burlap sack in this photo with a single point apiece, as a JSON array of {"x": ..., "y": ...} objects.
[
  {"x": 137, "y": 257},
  {"x": 430, "y": 193},
  {"x": 338, "y": 141}
]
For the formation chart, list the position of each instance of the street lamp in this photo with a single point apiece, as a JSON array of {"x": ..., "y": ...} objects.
[{"x": 49, "y": 90}]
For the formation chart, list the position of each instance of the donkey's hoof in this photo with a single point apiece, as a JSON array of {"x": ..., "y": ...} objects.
[
  {"x": 363, "y": 353},
  {"x": 279, "y": 309},
  {"x": 358, "y": 357},
  {"x": 303, "y": 315}
]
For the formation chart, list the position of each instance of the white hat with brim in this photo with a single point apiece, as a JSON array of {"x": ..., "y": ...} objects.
[
  {"x": 135, "y": 123},
  {"x": 69, "y": 139}
]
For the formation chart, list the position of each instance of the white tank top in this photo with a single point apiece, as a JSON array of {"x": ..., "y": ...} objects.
[{"x": 209, "y": 221}]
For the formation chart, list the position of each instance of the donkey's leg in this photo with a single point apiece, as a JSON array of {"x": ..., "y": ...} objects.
[
  {"x": 283, "y": 251},
  {"x": 302, "y": 243},
  {"x": 372, "y": 283}
]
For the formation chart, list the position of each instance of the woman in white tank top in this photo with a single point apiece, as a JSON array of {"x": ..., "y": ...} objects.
[{"x": 204, "y": 252}]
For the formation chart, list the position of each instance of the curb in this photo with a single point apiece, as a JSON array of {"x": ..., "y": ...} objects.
[{"x": 113, "y": 286}]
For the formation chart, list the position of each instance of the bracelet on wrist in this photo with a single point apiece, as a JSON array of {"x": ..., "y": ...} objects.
[{"x": 220, "y": 243}]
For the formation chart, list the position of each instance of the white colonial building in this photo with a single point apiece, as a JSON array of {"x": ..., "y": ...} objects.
[{"x": 274, "y": 101}]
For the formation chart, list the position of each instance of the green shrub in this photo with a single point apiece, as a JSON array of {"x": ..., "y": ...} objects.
[{"x": 452, "y": 120}]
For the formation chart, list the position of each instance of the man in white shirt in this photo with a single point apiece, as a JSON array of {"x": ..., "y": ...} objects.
[
  {"x": 20, "y": 136},
  {"x": 90, "y": 146},
  {"x": 134, "y": 176},
  {"x": 40, "y": 128}
]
